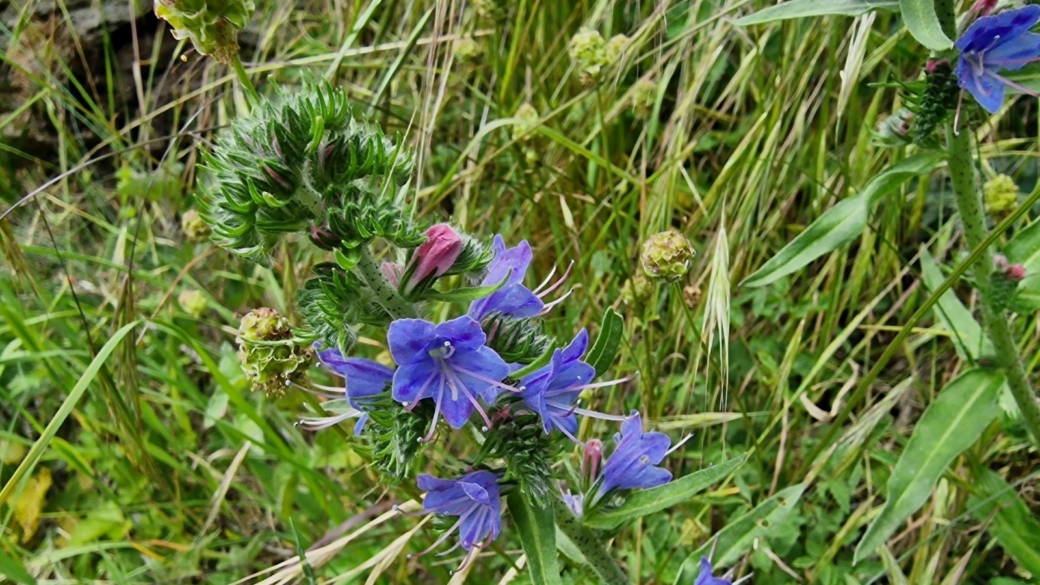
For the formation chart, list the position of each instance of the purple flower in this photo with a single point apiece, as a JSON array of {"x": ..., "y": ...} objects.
[
  {"x": 632, "y": 464},
  {"x": 448, "y": 363},
  {"x": 474, "y": 498},
  {"x": 513, "y": 299},
  {"x": 365, "y": 379},
  {"x": 552, "y": 391},
  {"x": 993, "y": 44},
  {"x": 707, "y": 578}
]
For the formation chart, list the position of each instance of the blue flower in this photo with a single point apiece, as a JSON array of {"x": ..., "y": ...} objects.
[
  {"x": 993, "y": 44},
  {"x": 474, "y": 498},
  {"x": 632, "y": 464},
  {"x": 448, "y": 363},
  {"x": 707, "y": 578},
  {"x": 513, "y": 299},
  {"x": 365, "y": 379},
  {"x": 553, "y": 390}
]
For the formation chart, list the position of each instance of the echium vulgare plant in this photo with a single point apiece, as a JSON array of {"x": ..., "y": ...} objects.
[
  {"x": 976, "y": 61},
  {"x": 303, "y": 164}
]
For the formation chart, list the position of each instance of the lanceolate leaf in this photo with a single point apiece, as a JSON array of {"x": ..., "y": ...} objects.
[
  {"x": 738, "y": 537},
  {"x": 840, "y": 224},
  {"x": 923, "y": 23},
  {"x": 810, "y": 8},
  {"x": 951, "y": 424},
  {"x": 537, "y": 528},
  {"x": 968, "y": 339},
  {"x": 645, "y": 502},
  {"x": 1011, "y": 522},
  {"x": 601, "y": 356}
]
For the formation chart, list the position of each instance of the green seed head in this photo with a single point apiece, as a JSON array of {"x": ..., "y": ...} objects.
[
  {"x": 1001, "y": 194},
  {"x": 192, "y": 302},
  {"x": 270, "y": 358},
  {"x": 466, "y": 49},
  {"x": 667, "y": 256}
]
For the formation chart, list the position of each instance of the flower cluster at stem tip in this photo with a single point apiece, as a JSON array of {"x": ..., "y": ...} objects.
[{"x": 303, "y": 164}]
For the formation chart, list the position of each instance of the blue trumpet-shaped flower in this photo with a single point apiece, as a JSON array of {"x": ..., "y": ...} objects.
[
  {"x": 993, "y": 44},
  {"x": 448, "y": 363},
  {"x": 365, "y": 379},
  {"x": 553, "y": 390},
  {"x": 474, "y": 498},
  {"x": 632, "y": 464},
  {"x": 707, "y": 577},
  {"x": 513, "y": 298}
]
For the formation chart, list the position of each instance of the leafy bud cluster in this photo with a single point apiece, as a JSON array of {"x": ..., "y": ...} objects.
[{"x": 212, "y": 25}]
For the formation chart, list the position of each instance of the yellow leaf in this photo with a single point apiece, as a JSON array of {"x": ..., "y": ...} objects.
[{"x": 30, "y": 503}]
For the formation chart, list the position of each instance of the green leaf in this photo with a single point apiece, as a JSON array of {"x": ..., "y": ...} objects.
[
  {"x": 465, "y": 294},
  {"x": 951, "y": 424},
  {"x": 956, "y": 318},
  {"x": 840, "y": 224},
  {"x": 537, "y": 528},
  {"x": 14, "y": 569},
  {"x": 740, "y": 535},
  {"x": 601, "y": 356},
  {"x": 811, "y": 8},
  {"x": 1024, "y": 249},
  {"x": 645, "y": 502},
  {"x": 1013, "y": 525},
  {"x": 65, "y": 410},
  {"x": 923, "y": 23}
]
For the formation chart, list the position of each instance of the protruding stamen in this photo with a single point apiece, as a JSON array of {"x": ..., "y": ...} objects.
[
  {"x": 584, "y": 387},
  {"x": 549, "y": 306},
  {"x": 487, "y": 380},
  {"x": 556, "y": 284}
]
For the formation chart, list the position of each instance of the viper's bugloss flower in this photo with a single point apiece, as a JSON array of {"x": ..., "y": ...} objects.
[
  {"x": 513, "y": 298},
  {"x": 434, "y": 257},
  {"x": 553, "y": 390},
  {"x": 364, "y": 380},
  {"x": 707, "y": 577},
  {"x": 632, "y": 465},
  {"x": 474, "y": 498},
  {"x": 993, "y": 44},
  {"x": 448, "y": 363}
]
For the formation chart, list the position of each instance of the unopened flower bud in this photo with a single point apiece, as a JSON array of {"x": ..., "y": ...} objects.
[
  {"x": 212, "y": 25},
  {"x": 194, "y": 226},
  {"x": 193, "y": 302},
  {"x": 1004, "y": 282},
  {"x": 392, "y": 271},
  {"x": 433, "y": 258},
  {"x": 644, "y": 96},
  {"x": 636, "y": 289},
  {"x": 591, "y": 460},
  {"x": 667, "y": 255},
  {"x": 270, "y": 358},
  {"x": 588, "y": 50},
  {"x": 322, "y": 237},
  {"x": 614, "y": 48},
  {"x": 1000, "y": 194},
  {"x": 894, "y": 130},
  {"x": 1015, "y": 272}
]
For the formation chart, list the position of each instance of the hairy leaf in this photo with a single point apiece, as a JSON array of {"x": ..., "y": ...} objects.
[
  {"x": 537, "y": 528},
  {"x": 923, "y": 23},
  {"x": 811, "y": 8}
]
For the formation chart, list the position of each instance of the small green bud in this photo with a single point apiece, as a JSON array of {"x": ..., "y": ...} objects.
[
  {"x": 466, "y": 49},
  {"x": 614, "y": 48},
  {"x": 528, "y": 120},
  {"x": 644, "y": 96},
  {"x": 212, "y": 25},
  {"x": 192, "y": 302},
  {"x": 636, "y": 289},
  {"x": 667, "y": 255},
  {"x": 1000, "y": 194},
  {"x": 194, "y": 226},
  {"x": 270, "y": 358},
  {"x": 894, "y": 130}
]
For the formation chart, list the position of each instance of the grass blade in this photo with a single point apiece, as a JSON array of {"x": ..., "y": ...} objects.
[{"x": 810, "y": 8}]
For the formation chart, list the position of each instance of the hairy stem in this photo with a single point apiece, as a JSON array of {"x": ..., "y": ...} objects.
[
  {"x": 386, "y": 293},
  {"x": 590, "y": 545},
  {"x": 243, "y": 78},
  {"x": 973, "y": 216}
]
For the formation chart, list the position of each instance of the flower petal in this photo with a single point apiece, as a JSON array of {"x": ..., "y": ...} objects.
[
  {"x": 990, "y": 31},
  {"x": 455, "y": 406},
  {"x": 487, "y": 366},
  {"x": 1014, "y": 55},
  {"x": 463, "y": 332},
  {"x": 414, "y": 381},
  {"x": 408, "y": 339},
  {"x": 476, "y": 492},
  {"x": 576, "y": 348}
]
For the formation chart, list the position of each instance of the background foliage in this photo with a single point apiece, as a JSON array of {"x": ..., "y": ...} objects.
[{"x": 161, "y": 466}]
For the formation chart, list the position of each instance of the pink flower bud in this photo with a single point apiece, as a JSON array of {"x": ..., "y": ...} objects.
[
  {"x": 392, "y": 271},
  {"x": 983, "y": 7},
  {"x": 1000, "y": 261},
  {"x": 435, "y": 256},
  {"x": 591, "y": 459},
  {"x": 1015, "y": 272}
]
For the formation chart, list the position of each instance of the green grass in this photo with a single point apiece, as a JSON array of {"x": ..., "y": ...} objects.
[{"x": 156, "y": 464}]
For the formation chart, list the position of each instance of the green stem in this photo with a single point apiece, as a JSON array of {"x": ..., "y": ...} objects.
[
  {"x": 386, "y": 293},
  {"x": 243, "y": 78},
  {"x": 973, "y": 216},
  {"x": 590, "y": 545}
]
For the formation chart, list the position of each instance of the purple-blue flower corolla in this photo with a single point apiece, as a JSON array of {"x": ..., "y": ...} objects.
[
  {"x": 993, "y": 44},
  {"x": 448, "y": 363},
  {"x": 364, "y": 379},
  {"x": 474, "y": 498},
  {"x": 553, "y": 390},
  {"x": 632, "y": 465},
  {"x": 707, "y": 577},
  {"x": 513, "y": 299}
]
